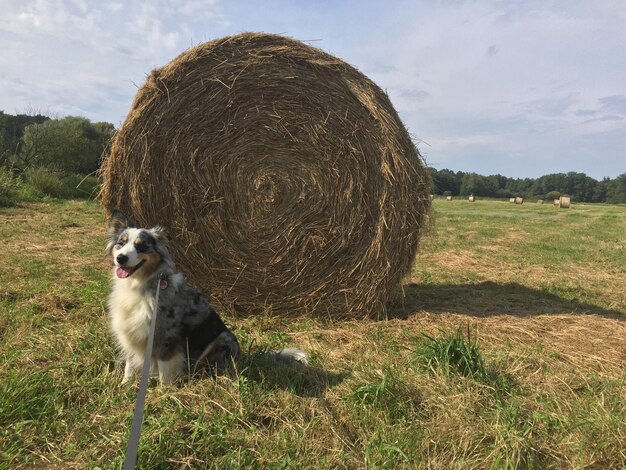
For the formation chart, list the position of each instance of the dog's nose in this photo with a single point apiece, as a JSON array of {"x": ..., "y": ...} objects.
[{"x": 121, "y": 259}]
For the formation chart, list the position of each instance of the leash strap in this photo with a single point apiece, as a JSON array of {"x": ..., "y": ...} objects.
[{"x": 133, "y": 440}]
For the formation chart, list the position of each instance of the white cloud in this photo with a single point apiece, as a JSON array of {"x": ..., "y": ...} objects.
[
  {"x": 79, "y": 56},
  {"x": 205, "y": 9},
  {"x": 504, "y": 79},
  {"x": 114, "y": 6},
  {"x": 615, "y": 103},
  {"x": 473, "y": 79}
]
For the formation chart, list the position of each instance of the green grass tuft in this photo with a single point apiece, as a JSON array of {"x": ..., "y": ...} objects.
[{"x": 453, "y": 352}]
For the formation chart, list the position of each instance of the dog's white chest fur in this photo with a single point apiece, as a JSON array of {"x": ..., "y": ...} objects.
[{"x": 131, "y": 310}]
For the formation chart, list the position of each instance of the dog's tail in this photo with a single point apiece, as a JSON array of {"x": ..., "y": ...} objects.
[{"x": 291, "y": 355}]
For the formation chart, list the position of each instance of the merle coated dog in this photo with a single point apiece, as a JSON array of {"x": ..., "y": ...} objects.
[{"x": 189, "y": 333}]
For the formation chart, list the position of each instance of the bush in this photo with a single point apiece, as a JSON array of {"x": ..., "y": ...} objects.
[
  {"x": 8, "y": 188},
  {"x": 44, "y": 182},
  {"x": 81, "y": 187},
  {"x": 37, "y": 183},
  {"x": 552, "y": 195}
]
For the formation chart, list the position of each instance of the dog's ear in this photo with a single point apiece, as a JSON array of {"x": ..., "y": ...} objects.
[
  {"x": 160, "y": 233},
  {"x": 117, "y": 224},
  {"x": 162, "y": 237}
]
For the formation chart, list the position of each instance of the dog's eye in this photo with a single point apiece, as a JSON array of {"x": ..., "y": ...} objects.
[{"x": 141, "y": 246}]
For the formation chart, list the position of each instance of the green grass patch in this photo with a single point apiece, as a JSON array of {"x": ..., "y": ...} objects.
[
  {"x": 454, "y": 352},
  {"x": 505, "y": 351}
]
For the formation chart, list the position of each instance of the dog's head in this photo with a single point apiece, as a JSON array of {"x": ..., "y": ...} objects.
[{"x": 136, "y": 251}]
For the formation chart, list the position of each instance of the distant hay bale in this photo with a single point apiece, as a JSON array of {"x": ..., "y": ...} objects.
[
  {"x": 519, "y": 200},
  {"x": 284, "y": 176},
  {"x": 448, "y": 198},
  {"x": 539, "y": 201},
  {"x": 512, "y": 200},
  {"x": 564, "y": 202},
  {"x": 557, "y": 202},
  {"x": 472, "y": 199}
]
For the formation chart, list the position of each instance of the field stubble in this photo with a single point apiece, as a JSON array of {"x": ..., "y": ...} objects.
[{"x": 505, "y": 350}]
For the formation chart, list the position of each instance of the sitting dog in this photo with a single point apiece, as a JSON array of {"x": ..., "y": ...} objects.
[{"x": 189, "y": 333}]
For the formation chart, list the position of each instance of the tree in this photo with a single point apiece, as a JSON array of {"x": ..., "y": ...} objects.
[
  {"x": 616, "y": 190},
  {"x": 105, "y": 131},
  {"x": 473, "y": 183},
  {"x": 494, "y": 184},
  {"x": 72, "y": 144},
  {"x": 11, "y": 132},
  {"x": 444, "y": 180},
  {"x": 599, "y": 193},
  {"x": 552, "y": 195}
]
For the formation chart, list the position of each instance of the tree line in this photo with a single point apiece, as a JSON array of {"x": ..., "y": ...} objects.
[
  {"x": 70, "y": 145},
  {"x": 45, "y": 157},
  {"x": 578, "y": 186},
  {"x": 33, "y": 145}
]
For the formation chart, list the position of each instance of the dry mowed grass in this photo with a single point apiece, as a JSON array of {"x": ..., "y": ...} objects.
[{"x": 506, "y": 349}]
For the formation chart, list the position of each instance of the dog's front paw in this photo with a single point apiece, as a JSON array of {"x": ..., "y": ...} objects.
[
  {"x": 129, "y": 373},
  {"x": 170, "y": 370}
]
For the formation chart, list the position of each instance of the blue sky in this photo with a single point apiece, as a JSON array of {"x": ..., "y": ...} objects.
[{"x": 520, "y": 88}]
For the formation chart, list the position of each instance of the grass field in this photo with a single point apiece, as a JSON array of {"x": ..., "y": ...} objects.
[{"x": 507, "y": 349}]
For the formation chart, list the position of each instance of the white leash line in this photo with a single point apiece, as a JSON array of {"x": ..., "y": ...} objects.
[{"x": 135, "y": 430}]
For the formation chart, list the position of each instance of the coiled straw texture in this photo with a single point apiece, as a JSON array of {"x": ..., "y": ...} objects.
[{"x": 284, "y": 176}]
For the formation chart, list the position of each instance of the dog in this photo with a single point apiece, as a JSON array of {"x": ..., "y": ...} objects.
[{"x": 189, "y": 333}]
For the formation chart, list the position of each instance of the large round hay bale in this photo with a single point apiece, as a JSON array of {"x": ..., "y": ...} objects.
[
  {"x": 564, "y": 202},
  {"x": 283, "y": 175}
]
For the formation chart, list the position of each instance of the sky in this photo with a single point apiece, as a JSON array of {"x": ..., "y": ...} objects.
[{"x": 518, "y": 88}]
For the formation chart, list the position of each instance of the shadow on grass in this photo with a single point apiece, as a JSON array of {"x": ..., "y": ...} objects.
[
  {"x": 487, "y": 299},
  {"x": 304, "y": 380}
]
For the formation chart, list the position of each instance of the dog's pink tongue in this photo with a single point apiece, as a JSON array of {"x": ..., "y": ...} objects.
[{"x": 123, "y": 272}]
